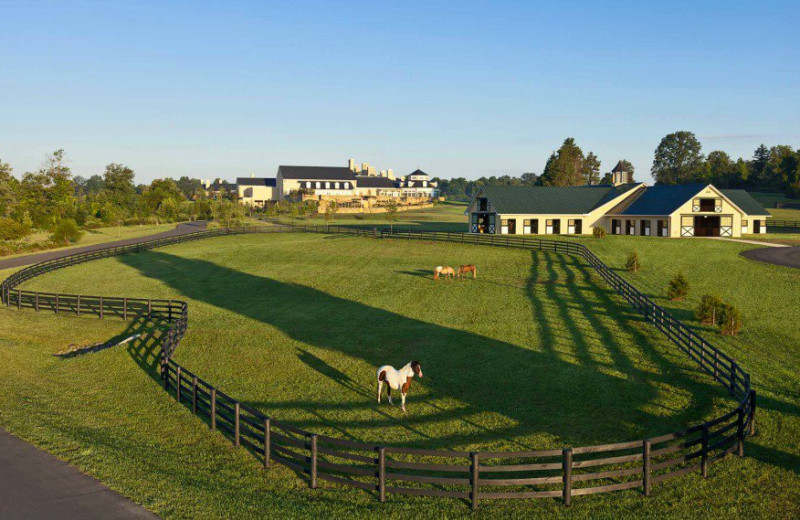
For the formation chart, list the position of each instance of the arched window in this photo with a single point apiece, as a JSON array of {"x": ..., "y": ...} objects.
[
  {"x": 319, "y": 185},
  {"x": 308, "y": 184},
  {"x": 424, "y": 184},
  {"x": 327, "y": 185},
  {"x": 336, "y": 185}
]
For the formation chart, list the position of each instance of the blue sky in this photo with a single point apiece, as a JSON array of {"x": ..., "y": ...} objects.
[{"x": 457, "y": 88}]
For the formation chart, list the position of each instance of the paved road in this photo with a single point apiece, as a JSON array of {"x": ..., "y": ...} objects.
[
  {"x": 180, "y": 229},
  {"x": 35, "y": 485},
  {"x": 785, "y": 256}
]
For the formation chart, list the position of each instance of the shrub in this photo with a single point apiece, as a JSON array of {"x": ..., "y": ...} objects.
[
  {"x": 213, "y": 225},
  {"x": 633, "y": 265},
  {"x": 730, "y": 319},
  {"x": 678, "y": 287},
  {"x": 12, "y": 230},
  {"x": 599, "y": 232},
  {"x": 709, "y": 310},
  {"x": 66, "y": 231}
]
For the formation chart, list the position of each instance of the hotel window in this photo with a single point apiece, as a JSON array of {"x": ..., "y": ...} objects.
[
  {"x": 319, "y": 185},
  {"x": 327, "y": 185},
  {"x": 308, "y": 185},
  {"x": 336, "y": 185},
  {"x": 745, "y": 228}
]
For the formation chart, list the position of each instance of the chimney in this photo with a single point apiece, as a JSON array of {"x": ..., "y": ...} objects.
[
  {"x": 351, "y": 163},
  {"x": 252, "y": 175},
  {"x": 371, "y": 171},
  {"x": 390, "y": 173},
  {"x": 364, "y": 167}
]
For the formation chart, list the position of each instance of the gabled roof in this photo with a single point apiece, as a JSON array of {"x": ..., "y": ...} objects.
[
  {"x": 552, "y": 200},
  {"x": 746, "y": 202},
  {"x": 269, "y": 182},
  {"x": 372, "y": 181},
  {"x": 218, "y": 185},
  {"x": 418, "y": 172},
  {"x": 666, "y": 198},
  {"x": 662, "y": 199},
  {"x": 334, "y": 173}
]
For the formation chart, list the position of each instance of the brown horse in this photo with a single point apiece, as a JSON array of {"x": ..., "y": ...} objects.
[
  {"x": 446, "y": 271},
  {"x": 466, "y": 269}
]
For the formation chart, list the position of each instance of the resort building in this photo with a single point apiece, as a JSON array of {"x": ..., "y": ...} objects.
[
  {"x": 256, "y": 191},
  {"x": 626, "y": 209},
  {"x": 419, "y": 184}
]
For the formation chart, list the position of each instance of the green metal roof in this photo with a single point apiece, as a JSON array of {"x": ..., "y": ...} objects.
[
  {"x": 662, "y": 199},
  {"x": 746, "y": 202},
  {"x": 552, "y": 200}
]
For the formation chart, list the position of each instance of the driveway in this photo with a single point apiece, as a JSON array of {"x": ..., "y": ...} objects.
[
  {"x": 785, "y": 256},
  {"x": 35, "y": 485},
  {"x": 180, "y": 229}
]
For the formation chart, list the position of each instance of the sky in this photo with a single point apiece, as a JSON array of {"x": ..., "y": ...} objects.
[{"x": 458, "y": 88}]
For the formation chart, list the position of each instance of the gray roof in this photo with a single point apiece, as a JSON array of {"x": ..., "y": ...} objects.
[
  {"x": 374, "y": 182},
  {"x": 218, "y": 185},
  {"x": 552, "y": 200},
  {"x": 664, "y": 199},
  {"x": 746, "y": 202},
  {"x": 334, "y": 173},
  {"x": 619, "y": 167},
  {"x": 419, "y": 172},
  {"x": 269, "y": 182}
]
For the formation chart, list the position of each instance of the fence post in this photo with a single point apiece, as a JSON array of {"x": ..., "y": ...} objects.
[
  {"x": 169, "y": 310},
  {"x": 57, "y": 301},
  {"x": 178, "y": 385},
  {"x": 213, "y": 409},
  {"x": 101, "y": 307},
  {"x": 381, "y": 474},
  {"x": 125, "y": 309},
  {"x": 704, "y": 452},
  {"x": 733, "y": 378},
  {"x": 646, "y": 467},
  {"x": 149, "y": 308},
  {"x": 740, "y": 432},
  {"x": 19, "y": 299},
  {"x": 194, "y": 395},
  {"x": 313, "y": 461},
  {"x": 78, "y": 307},
  {"x": 474, "y": 477},
  {"x": 36, "y": 302},
  {"x": 267, "y": 446},
  {"x": 566, "y": 466},
  {"x": 752, "y": 412}
]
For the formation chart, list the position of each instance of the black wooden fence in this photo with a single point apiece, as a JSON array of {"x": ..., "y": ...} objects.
[
  {"x": 472, "y": 476},
  {"x": 788, "y": 224}
]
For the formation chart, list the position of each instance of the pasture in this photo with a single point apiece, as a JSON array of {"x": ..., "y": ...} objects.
[{"x": 536, "y": 353}]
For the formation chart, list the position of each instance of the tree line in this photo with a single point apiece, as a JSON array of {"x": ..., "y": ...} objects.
[
  {"x": 678, "y": 159},
  {"x": 51, "y": 199}
]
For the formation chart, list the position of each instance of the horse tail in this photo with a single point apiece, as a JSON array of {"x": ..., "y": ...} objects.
[{"x": 474, "y": 272}]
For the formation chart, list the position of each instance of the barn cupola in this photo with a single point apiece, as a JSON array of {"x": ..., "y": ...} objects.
[{"x": 621, "y": 175}]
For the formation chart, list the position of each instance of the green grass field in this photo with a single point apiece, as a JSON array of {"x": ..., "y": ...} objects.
[{"x": 535, "y": 353}]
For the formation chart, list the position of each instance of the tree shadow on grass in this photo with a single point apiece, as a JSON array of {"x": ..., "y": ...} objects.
[{"x": 539, "y": 391}]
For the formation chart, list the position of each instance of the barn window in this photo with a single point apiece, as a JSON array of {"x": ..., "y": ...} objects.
[
  {"x": 663, "y": 228},
  {"x": 707, "y": 204},
  {"x": 745, "y": 228}
]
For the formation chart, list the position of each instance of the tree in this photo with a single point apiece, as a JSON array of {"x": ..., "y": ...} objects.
[
  {"x": 678, "y": 287},
  {"x": 93, "y": 185},
  {"x": 330, "y": 211},
  {"x": 632, "y": 265},
  {"x": 677, "y": 159},
  {"x": 758, "y": 166},
  {"x": 47, "y": 196},
  {"x": 720, "y": 170},
  {"x": 591, "y": 169},
  {"x": 162, "y": 199},
  {"x": 627, "y": 166},
  {"x": 565, "y": 167},
  {"x": 9, "y": 189},
  {"x": 599, "y": 232},
  {"x": 730, "y": 319},
  {"x": 66, "y": 232},
  {"x": 118, "y": 184},
  {"x": 708, "y": 311},
  {"x": 189, "y": 187},
  {"x": 391, "y": 214}
]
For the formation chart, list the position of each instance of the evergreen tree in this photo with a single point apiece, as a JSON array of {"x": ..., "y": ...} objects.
[{"x": 591, "y": 169}]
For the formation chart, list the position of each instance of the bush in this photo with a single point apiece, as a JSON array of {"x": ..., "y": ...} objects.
[
  {"x": 213, "y": 225},
  {"x": 633, "y": 265},
  {"x": 678, "y": 287},
  {"x": 730, "y": 319},
  {"x": 599, "y": 232},
  {"x": 709, "y": 310},
  {"x": 13, "y": 230},
  {"x": 66, "y": 232}
]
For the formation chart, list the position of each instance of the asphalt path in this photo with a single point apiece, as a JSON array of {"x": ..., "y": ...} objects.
[
  {"x": 36, "y": 485},
  {"x": 785, "y": 256},
  {"x": 180, "y": 229}
]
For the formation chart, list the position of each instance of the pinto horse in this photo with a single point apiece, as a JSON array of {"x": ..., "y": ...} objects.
[
  {"x": 397, "y": 379},
  {"x": 466, "y": 269},
  {"x": 446, "y": 271}
]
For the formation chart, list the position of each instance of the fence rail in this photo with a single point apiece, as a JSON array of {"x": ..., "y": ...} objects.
[
  {"x": 772, "y": 223},
  {"x": 472, "y": 476}
]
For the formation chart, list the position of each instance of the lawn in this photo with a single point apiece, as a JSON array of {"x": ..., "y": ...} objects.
[
  {"x": 295, "y": 325},
  {"x": 97, "y": 236}
]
